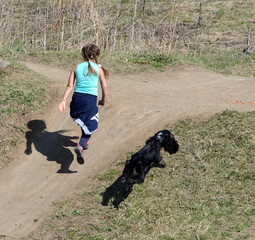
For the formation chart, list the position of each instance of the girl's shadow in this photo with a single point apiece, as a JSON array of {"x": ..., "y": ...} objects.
[{"x": 50, "y": 144}]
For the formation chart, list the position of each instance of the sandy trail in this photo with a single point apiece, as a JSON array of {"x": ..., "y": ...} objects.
[{"x": 138, "y": 105}]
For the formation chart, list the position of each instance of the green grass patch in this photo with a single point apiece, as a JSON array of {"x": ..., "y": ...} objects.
[
  {"x": 115, "y": 62},
  {"x": 58, "y": 58},
  {"x": 18, "y": 96},
  {"x": 230, "y": 63},
  {"x": 225, "y": 62},
  {"x": 21, "y": 92},
  {"x": 205, "y": 191}
]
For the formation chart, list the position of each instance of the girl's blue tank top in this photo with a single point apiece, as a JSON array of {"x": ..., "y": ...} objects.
[{"x": 86, "y": 83}]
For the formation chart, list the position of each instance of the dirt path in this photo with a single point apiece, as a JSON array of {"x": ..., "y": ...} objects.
[{"x": 138, "y": 105}]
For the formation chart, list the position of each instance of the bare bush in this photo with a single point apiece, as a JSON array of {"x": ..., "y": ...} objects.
[
  {"x": 150, "y": 26},
  {"x": 68, "y": 24}
]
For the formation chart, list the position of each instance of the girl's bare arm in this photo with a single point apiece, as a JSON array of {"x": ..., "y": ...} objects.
[
  {"x": 69, "y": 88},
  {"x": 103, "y": 86}
]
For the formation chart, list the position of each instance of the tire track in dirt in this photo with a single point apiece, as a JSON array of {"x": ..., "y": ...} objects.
[{"x": 138, "y": 106}]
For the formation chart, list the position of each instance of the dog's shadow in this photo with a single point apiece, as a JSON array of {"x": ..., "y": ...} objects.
[
  {"x": 120, "y": 190},
  {"x": 116, "y": 193},
  {"x": 50, "y": 144}
]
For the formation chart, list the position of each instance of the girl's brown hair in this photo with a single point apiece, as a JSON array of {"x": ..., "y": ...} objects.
[{"x": 92, "y": 51}]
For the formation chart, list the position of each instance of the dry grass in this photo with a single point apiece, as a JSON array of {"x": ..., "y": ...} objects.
[{"x": 160, "y": 27}]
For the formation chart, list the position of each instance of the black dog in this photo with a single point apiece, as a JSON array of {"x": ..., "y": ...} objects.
[{"x": 141, "y": 162}]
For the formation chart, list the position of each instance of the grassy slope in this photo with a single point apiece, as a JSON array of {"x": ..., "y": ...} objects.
[
  {"x": 205, "y": 191},
  {"x": 22, "y": 92}
]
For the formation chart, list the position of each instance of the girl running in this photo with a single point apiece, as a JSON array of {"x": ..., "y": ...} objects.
[{"x": 83, "y": 107}]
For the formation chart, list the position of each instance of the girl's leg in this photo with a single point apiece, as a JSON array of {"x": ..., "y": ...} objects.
[
  {"x": 84, "y": 141},
  {"x": 82, "y": 145}
]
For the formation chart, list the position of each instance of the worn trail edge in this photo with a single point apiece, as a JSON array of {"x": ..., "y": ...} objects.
[{"x": 138, "y": 105}]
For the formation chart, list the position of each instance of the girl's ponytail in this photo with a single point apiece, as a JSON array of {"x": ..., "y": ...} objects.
[
  {"x": 91, "y": 51},
  {"x": 91, "y": 70},
  {"x": 106, "y": 73}
]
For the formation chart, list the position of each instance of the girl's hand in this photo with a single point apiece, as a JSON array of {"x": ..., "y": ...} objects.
[
  {"x": 101, "y": 102},
  {"x": 62, "y": 106}
]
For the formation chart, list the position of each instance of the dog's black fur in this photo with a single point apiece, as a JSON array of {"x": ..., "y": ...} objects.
[{"x": 141, "y": 162}]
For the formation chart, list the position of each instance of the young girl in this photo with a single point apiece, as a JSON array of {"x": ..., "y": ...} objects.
[{"x": 83, "y": 107}]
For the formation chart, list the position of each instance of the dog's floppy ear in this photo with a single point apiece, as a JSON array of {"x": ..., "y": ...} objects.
[
  {"x": 170, "y": 144},
  {"x": 172, "y": 147}
]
